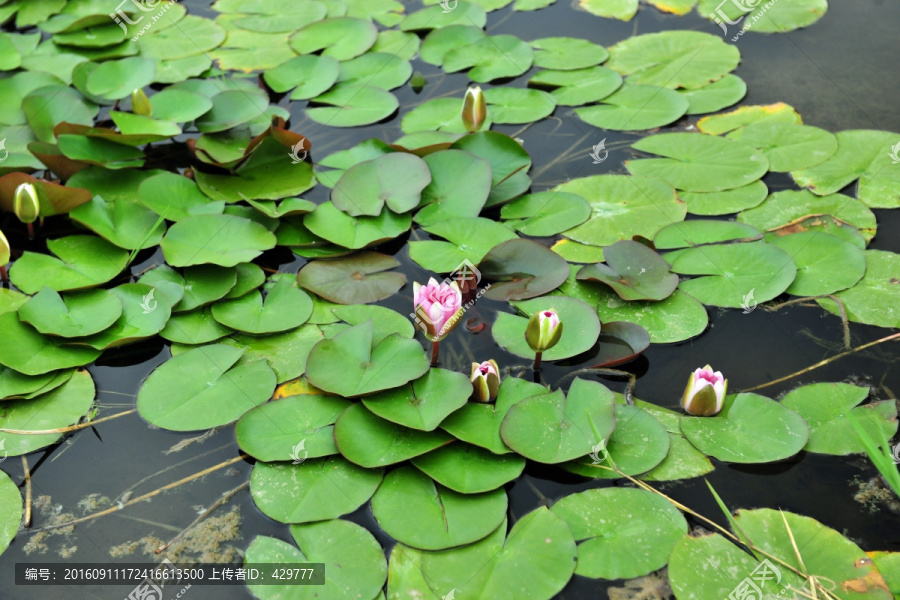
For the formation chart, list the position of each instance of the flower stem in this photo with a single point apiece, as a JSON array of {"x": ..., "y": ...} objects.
[
  {"x": 435, "y": 346},
  {"x": 537, "y": 361},
  {"x": 4, "y": 276},
  {"x": 30, "y": 231}
]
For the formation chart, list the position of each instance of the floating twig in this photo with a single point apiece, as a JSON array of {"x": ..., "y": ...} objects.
[
  {"x": 68, "y": 429},
  {"x": 27, "y": 493}
]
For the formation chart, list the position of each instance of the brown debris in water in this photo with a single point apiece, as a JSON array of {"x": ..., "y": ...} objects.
[
  {"x": 50, "y": 515},
  {"x": 654, "y": 586},
  {"x": 874, "y": 495}
]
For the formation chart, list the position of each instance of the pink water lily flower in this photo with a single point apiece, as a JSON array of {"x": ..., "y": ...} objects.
[
  {"x": 438, "y": 308},
  {"x": 704, "y": 395}
]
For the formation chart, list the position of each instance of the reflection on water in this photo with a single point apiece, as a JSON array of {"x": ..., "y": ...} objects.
[{"x": 833, "y": 74}]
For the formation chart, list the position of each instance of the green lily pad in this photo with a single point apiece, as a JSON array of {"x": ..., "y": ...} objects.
[
  {"x": 384, "y": 320},
  {"x": 828, "y": 408},
  {"x": 637, "y": 444},
  {"x": 715, "y": 96},
  {"x": 775, "y": 18},
  {"x": 293, "y": 428},
  {"x": 125, "y": 224},
  {"x": 491, "y": 57},
  {"x": 622, "y": 532},
  {"x": 341, "y": 38},
  {"x": 285, "y": 307},
  {"x": 357, "y": 279},
  {"x": 440, "y": 41},
  {"x": 331, "y": 543},
  {"x": 315, "y": 490},
  {"x": 204, "y": 284},
  {"x": 425, "y": 402},
  {"x": 308, "y": 76},
  {"x": 546, "y": 213},
  {"x": 581, "y": 86},
  {"x": 699, "y": 163},
  {"x": 11, "y": 507},
  {"x": 790, "y": 206},
  {"x": 194, "y": 327},
  {"x": 61, "y": 407},
  {"x": 18, "y": 385},
  {"x": 415, "y": 511},
  {"x": 731, "y": 273},
  {"x": 682, "y": 462},
  {"x": 175, "y": 197},
  {"x": 479, "y": 424},
  {"x": 203, "y": 388},
  {"x": 399, "y": 43},
  {"x": 334, "y": 225},
  {"x": 76, "y": 314},
  {"x": 874, "y": 299},
  {"x": 395, "y": 180},
  {"x": 350, "y": 365},
  {"x": 370, "y": 441},
  {"x": 554, "y": 428},
  {"x": 385, "y": 71},
  {"x": 675, "y": 319},
  {"x": 634, "y": 271},
  {"x": 576, "y": 252},
  {"x": 509, "y": 330},
  {"x": 521, "y": 269},
  {"x": 353, "y": 105},
  {"x": 863, "y": 154},
  {"x": 460, "y": 185},
  {"x": 703, "y": 231},
  {"x": 192, "y": 36},
  {"x": 749, "y": 429},
  {"x": 725, "y": 202},
  {"x": 223, "y": 240},
  {"x": 116, "y": 79},
  {"x": 567, "y": 54},
  {"x": 536, "y": 560},
  {"x": 745, "y": 115},
  {"x": 435, "y": 17},
  {"x": 438, "y": 114},
  {"x": 518, "y": 105},
  {"x": 635, "y": 107},
  {"x": 788, "y": 146},
  {"x": 469, "y": 469},
  {"x": 100, "y": 152},
  {"x": 507, "y": 157},
  {"x": 622, "y": 207},
  {"x": 624, "y": 10},
  {"x": 83, "y": 261},
  {"x": 469, "y": 239},
  {"x": 179, "y": 106},
  {"x": 825, "y": 264},
  {"x": 674, "y": 59},
  {"x": 285, "y": 352}
]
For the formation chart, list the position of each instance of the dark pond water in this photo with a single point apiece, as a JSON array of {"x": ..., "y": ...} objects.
[{"x": 839, "y": 74}]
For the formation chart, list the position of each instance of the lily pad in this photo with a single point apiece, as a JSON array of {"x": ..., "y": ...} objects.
[
  {"x": 623, "y": 10},
  {"x": 479, "y": 424},
  {"x": 725, "y": 202},
  {"x": 31, "y": 353},
  {"x": 622, "y": 533},
  {"x": 76, "y": 314},
  {"x": 194, "y": 327},
  {"x": 622, "y": 207},
  {"x": 285, "y": 352},
  {"x": 491, "y": 57},
  {"x": 125, "y": 224},
  {"x": 349, "y": 364},
  {"x": 788, "y": 146},
  {"x": 469, "y": 239},
  {"x": 469, "y": 469},
  {"x": 370, "y": 441},
  {"x": 699, "y": 163},
  {"x": 438, "y": 114},
  {"x": 567, "y": 53},
  {"x": 175, "y": 197},
  {"x": 635, "y": 107},
  {"x": 556, "y": 427},
  {"x": 11, "y": 507},
  {"x": 395, "y": 180},
  {"x": 115, "y": 79},
  {"x": 689, "y": 234},
  {"x": 355, "y": 232},
  {"x": 507, "y": 157},
  {"x": 315, "y": 490},
  {"x": 285, "y": 307},
  {"x": 634, "y": 271},
  {"x": 729, "y": 273},
  {"x": 18, "y": 385},
  {"x": 358, "y": 279},
  {"x": 460, "y": 185},
  {"x": 308, "y": 75},
  {"x": 204, "y": 284},
  {"x": 385, "y": 71},
  {"x": 61, "y": 407},
  {"x": 745, "y": 115},
  {"x": 509, "y": 330},
  {"x": 415, "y": 511},
  {"x": 425, "y": 402},
  {"x": 436, "y": 17},
  {"x": 874, "y": 300},
  {"x": 546, "y": 213},
  {"x": 716, "y": 95},
  {"x": 203, "y": 388},
  {"x": 518, "y": 105},
  {"x": 825, "y": 264},
  {"x": 223, "y": 240},
  {"x": 749, "y": 429},
  {"x": 352, "y": 105},
  {"x": 675, "y": 319},
  {"x": 581, "y": 86},
  {"x": 341, "y": 38},
  {"x": 521, "y": 269},
  {"x": 83, "y": 261},
  {"x": 294, "y": 428}
]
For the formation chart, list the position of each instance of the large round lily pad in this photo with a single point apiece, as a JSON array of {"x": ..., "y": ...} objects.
[
  {"x": 425, "y": 402},
  {"x": 634, "y": 271},
  {"x": 788, "y": 146},
  {"x": 414, "y": 510},
  {"x": 11, "y": 507},
  {"x": 520, "y": 269},
  {"x": 72, "y": 315},
  {"x": 339, "y": 228},
  {"x": 874, "y": 300},
  {"x": 469, "y": 469},
  {"x": 81, "y": 261},
  {"x": 749, "y": 429},
  {"x": 622, "y": 532},
  {"x": 394, "y": 180},
  {"x": 635, "y": 108},
  {"x": 825, "y": 263},
  {"x": 31, "y": 353},
  {"x": 677, "y": 318},
  {"x": 223, "y": 240},
  {"x": 581, "y": 328},
  {"x": 285, "y": 307},
  {"x": 357, "y": 279}
]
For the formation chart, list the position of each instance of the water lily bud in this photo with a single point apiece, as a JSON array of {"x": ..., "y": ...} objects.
[
  {"x": 474, "y": 110},
  {"x": 544, "y": 330},
  {"x": 438, "y": 307},
  {"x": 26, "y": 205},
  {"x": 705, "y": 393},
  {"x": 140, "y": 103},
  {"x": 485, "y": 380}
]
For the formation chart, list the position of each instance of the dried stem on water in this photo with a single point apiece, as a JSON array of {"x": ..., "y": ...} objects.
[
  {"x": 68, "y": 429},
  {"x": 27, "y": 522}
]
